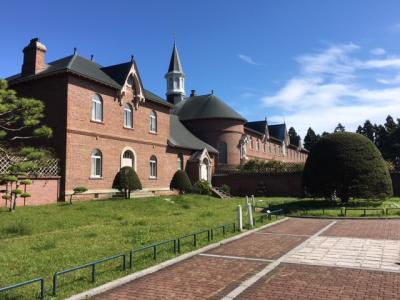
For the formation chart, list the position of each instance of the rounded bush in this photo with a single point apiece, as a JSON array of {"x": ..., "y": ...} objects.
[
  {"x": 181, "y": 182},
  {"x": 127, "y": 180},
  {"x": 202, "y": 187},
  {"x": 80, "y": 189},
  {"x": 348, "y": 164}
]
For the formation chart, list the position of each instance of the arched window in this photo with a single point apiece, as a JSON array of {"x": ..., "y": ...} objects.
[
  {"x": 251, "y": 144},
  {"x": 176, "y": 83},
  {"x": 257, "y": 145},
  {"x": 153, "y": 121},
  {"x": 222, "y": 153},
  {"x": 128, "y": 116},
  {"x": 153, "y": 167},
  {"x": 128, "y": 159},
  {"x": 180, "y": 161},
  {"x": 96, "y": 164},
  {"x": 97, "y": 108}
]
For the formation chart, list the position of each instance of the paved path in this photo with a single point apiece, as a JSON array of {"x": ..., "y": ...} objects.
[{"x": 296, "y": 259}]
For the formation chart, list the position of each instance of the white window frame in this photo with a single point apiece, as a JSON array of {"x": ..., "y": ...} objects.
[
  {"x": 180, "y": 162},
  {"x": 153, "y": 122},
  {"x": 96, "y": 170},
  {"x": 128, "y": 116},
  {"x": 153, "y": 167},
  {"x": 97, "y": 108}
]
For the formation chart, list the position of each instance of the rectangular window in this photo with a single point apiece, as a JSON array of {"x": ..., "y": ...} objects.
[
  {"x": 153, "y": 169},
  {"x": 96, "y": 111},
  {"x": 96, "y": 166}
]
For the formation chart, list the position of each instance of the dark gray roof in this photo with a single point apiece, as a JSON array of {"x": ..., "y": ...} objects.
[
  {"x": 181, "y": 137},
  {"x": 205, "y": 107},
  {"x": 118, "y": 72},
  {"x": 78, "y": 65},
  {"x": 258, "y": 126},
  {"x": 175, "y": 62},
  {"x": 153, "y": 97},
  {"x": 278, "y": 131}
]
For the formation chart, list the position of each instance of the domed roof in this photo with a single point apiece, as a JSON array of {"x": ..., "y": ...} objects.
[{"x": 205, "y": 107}]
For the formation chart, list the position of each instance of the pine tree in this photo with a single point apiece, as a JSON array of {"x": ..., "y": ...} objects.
[
  {"x": 293, "y": 136},
  {"x": 310, "y": 139},
  {"x": 339, "y": 128}
]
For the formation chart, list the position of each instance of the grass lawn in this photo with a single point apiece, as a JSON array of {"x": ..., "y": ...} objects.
[
  {"x": 320, "y": 207},
  {"x": 38, "y": 241}
]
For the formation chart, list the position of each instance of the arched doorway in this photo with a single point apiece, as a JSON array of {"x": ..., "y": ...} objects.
[
  {"x": 204, "y": 169},
  {"x": 128, "y": 158}
]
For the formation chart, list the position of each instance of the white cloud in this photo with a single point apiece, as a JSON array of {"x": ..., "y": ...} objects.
[
  {"x": 378, "y": 51},
  {"x": 331, "y": 88},
  {"x": 247, "y": 59},
  {"x": 390, "y": 81}
]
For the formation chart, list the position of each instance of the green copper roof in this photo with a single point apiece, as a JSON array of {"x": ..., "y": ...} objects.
[{"x": 205, "y": 107}]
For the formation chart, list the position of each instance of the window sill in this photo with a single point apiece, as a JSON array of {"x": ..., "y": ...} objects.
[
  {"x": 153, "y": 132},
  {"x": 97, "y": 122},
  {"x": 152, "y": 178},
  {"x": 95, "y": 178},
  {"x": 129, "y": 128}
]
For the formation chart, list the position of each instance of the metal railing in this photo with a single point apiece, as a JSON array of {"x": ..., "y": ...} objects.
[
  {"x": 177, "y": 244},
  {"x": 154, "y": 246},
  {"x": 17, "y": 285},
  {"x": 194, "y": 234},
  {"x": 89, "y": 265},
  {"x": 382, "y": 210}
]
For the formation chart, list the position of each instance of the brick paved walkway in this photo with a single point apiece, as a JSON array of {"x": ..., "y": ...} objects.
[{"x": 295, "y": 259}]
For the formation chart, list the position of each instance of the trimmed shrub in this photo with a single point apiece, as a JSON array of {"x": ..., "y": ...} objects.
[
  {"x": 348, "y": 164},
  {"x": 77, "y": 190},
  {"x": 202, "y": 187},
  {"x": 127, "y": 181},
  {"x": 181, "y": 182},
  {"x": 226, "y": 188},
  {"x": 271, "y": 166}
]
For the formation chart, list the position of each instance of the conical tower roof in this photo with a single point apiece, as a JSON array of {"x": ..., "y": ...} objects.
[{"x": 175, "y": 63}]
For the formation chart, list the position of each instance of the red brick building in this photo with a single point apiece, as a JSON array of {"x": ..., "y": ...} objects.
[{"x": 103, "y": 118}]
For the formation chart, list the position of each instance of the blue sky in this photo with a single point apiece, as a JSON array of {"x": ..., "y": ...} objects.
[{"x": 311, "y": 62}]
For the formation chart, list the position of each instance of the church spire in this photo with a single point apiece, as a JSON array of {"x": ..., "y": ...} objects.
[{"x": 175, "y": 78}]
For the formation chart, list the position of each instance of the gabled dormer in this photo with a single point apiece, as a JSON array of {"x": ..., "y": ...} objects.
[{"x": 127, "y": 76}]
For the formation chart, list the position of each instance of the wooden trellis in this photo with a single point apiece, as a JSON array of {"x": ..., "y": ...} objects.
[{"x": 46, "y": 167}]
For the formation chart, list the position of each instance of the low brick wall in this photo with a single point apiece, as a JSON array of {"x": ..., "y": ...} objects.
[
  {"x": 284, "y": 184},
  {"x": 396, "y": 184},
  {"x": 44, "y": 190},
  {"x": 281, "y": 184}
]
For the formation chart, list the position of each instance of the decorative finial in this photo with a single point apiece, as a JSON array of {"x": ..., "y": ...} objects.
[
  {"x": 75, "y": 50},
  {"x": 91, "y": 57},
  {"x": 174, "y": 36},
  {"x": 131, "y": 58},
  {"x": 212, "y": 92}
]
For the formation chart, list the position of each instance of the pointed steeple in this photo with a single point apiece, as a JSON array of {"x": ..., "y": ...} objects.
[
  {"x": 175, "y": 78},
  {"x": 175, "y": 62}
]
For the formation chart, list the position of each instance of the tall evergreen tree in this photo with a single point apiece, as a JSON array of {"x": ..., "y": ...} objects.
[
  {"x": 367, "y": 130},
  {"x": 293, "y": 136},
  {"x": 339, "y": 128},
  {"x": 310, "y": 139}
]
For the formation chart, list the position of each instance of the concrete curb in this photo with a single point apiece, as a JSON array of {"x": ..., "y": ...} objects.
[
  {"x": 344, "y": 218},
  {"x": 126, "y": 279}
]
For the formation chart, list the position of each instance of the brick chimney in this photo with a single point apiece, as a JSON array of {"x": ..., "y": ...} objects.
[{"x": 34, "y": 58}]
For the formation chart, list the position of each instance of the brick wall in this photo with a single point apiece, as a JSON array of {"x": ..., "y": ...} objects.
[
  {"x": 111, "y": 138},
  {"x": 44, "y": 190},
  {"x": 272, "y": 150},
  {"x": 284, "y": 184}
]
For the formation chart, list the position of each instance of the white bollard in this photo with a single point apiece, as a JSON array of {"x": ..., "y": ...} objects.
[
  {"x": 240, "y": 217},
  {"x": 247, "y": 200},
  {"x": 250, "y": 210}
]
